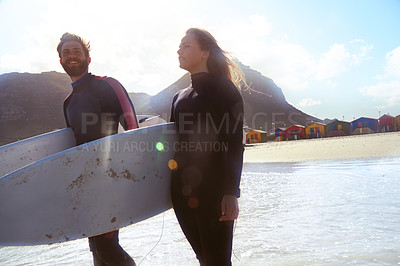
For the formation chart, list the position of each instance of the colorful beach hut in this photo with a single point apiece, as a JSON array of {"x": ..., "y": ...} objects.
[
  {"x": 280, "y": 134},
  {"x": 364, "y": 125},
  {"x": 338, "y": 128},
  {"x": 295, "y": 132},
  {"x": 246, "y": 130},
  {"x": 387, "y": 123},
  {"x": 256, "y": 136},
  {"x": 398, "y": 122},
  {"x": 315, "y": 130}
]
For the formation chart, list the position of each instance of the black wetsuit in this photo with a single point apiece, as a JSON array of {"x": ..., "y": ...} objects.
[
  {"x": 209, "y": 156},
  {"x": 94, "y": 110}
]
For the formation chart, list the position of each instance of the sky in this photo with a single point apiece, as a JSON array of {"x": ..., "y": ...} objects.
[{"x": 332, "y": 59}]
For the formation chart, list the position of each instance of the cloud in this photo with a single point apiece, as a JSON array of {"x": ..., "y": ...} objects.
[
  {"x": 337, "y": 60},
  {"x": 393, "y": 63},
  {"x": 390, "y": 92},
  {"x": 309, "y": 102},
  {"x": 292, "y": 66},
  {"x": 39, "y": 53},
  {"x": 255, "y": 26},
  {"x": 341, "y": 58},
  {"x": 332, "y": 62},
  {"x": 388, "y": 89}
]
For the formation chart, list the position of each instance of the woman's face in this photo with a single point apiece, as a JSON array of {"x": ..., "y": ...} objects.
[{"x": 191, "y": 57}]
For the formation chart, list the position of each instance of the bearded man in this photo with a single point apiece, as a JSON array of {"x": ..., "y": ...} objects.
[{"x": 94, "y": 109}]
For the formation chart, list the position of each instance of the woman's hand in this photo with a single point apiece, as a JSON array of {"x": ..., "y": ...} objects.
[{"x": 229, "y": 208}]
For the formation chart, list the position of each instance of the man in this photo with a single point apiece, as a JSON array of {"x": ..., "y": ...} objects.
[{"x": 94, "y": 109}]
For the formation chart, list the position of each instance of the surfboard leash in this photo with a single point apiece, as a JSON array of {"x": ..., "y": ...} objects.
[
  {"x": 162, "y": 231},
  {"x": 234, "y": 230}
]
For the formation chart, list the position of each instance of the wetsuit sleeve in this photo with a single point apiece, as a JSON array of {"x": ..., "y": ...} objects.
[
  {"x": 231, "y": 105},
  {"x": 65, "y": 111},
  {"x": 124, "y": 106}
]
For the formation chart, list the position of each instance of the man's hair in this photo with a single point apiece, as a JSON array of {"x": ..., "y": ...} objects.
[{"x": 67, "y": 37}]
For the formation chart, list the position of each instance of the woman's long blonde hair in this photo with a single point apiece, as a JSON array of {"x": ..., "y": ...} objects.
[{"x": 219, "y": 62}]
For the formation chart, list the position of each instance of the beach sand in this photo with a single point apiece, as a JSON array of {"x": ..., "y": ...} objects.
[{"x": 349, "y": 147}]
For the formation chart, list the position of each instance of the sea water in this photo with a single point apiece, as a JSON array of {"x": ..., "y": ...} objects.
[{"x": 313, "y": 213}]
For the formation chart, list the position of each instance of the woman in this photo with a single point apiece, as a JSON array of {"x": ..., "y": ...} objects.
[{"x": 208, "y": 160}]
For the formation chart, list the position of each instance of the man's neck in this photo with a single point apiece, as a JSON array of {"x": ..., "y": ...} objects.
[
  {"x": 79, "y": 81},
  {"x": 76, "y": 78}
]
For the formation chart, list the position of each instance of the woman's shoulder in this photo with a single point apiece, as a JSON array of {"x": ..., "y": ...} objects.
[
  {"x": 182, "y": 92},
  {"x": 227, "y": 89}
]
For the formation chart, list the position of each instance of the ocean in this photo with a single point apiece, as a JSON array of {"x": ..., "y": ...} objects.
[{"x": 311, "y": 213}]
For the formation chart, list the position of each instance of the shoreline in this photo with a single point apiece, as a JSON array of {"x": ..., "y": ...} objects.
[{"x": 375, "y": 145}]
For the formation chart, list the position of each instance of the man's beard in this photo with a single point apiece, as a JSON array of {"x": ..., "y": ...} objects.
[{"x": 76, "y": 70}]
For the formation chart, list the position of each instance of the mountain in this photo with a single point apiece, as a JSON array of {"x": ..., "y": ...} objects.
[
  {"x": 264, "y": 102},
  {"x": 31, "y": 104}
]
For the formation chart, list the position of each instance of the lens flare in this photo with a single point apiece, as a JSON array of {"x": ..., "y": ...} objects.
[
  {"x": 193, "y": 202},
  {"x": 172, "y": 164},
  {"x": 160, "y": 146}
]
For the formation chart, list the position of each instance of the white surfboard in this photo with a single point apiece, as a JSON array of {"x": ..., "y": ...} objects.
[
  {"x": 88, "y": 190},
  {"x": 18, "y": 154},
  {"x": 21, "y": 153},
  {"x": 149, "y": 120}
]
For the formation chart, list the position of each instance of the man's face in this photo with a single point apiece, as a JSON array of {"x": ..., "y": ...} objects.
[{"x": 73, "y": 59}]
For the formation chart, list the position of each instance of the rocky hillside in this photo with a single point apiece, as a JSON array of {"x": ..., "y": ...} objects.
[
  {"x": 264, "y": 102},
  {"x": 31, "y": 104}
]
